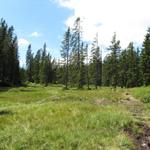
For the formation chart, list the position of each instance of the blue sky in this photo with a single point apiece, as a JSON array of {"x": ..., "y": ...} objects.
[
  {"x": 35, "y": 22},
  {"x": 39, "y": 21}
]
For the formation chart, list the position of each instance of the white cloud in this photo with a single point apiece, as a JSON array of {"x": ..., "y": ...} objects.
[
  {"x": 128, "y": 18},
  {"x": 23, "y": 42},
  {"x": 35, "y": 34}
]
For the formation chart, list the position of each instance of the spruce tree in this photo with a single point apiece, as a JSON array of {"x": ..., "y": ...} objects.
[
  {"x": 115, "y": 53},
  {"x": 132, "y": 70},
  {"x": 37, "y": 60},
  {"x": 123, "y": 67},
  {"x": 107, "y": 70},
  {"x": 29, "y": 64},
  {"x": 96, "y": 63},
  {"x": 65, "y": 49},
  {"x": 87, "y": 67},
  {"x": 145, "y": 59},
  {"x": 76, "y": 52},
  {"x": 9, "y": 61},
  {"x": 45, "y": 66}
]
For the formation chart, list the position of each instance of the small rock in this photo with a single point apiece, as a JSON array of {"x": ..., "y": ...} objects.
[{"x": 143, "y": 145}]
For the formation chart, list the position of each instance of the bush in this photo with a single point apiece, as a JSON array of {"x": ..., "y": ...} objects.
[{"x": 146, "y": 98}]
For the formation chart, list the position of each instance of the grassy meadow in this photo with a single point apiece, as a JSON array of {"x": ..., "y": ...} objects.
[{"x": 50, "y": 118}]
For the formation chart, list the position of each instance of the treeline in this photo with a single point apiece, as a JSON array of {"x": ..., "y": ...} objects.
[
  {"x": 9, "y": 61},
  {"x": 128, "y": 67},
  {"x": 80, "y": 65},
  {"x": 40, "y": 68}
]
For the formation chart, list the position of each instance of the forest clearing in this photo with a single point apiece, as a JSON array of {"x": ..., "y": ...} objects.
[
  {"x": 37, "y": 117},
  {"x": 74, "y": 75}
]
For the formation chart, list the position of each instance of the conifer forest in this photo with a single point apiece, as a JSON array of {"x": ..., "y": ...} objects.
[{"x": 89, "y": 98}]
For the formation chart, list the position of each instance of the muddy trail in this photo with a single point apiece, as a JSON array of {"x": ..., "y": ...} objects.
[{"x": 142, "y": 139}]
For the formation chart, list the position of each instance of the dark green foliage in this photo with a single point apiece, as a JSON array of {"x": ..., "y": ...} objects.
[
  {"x": 129, "y": 72},
  {"x": 146, "y": 98},
  {"x": 65, "y": 49},
  {"x": 9, "y": 62},
  {"x": 125, "y": 68},
  {"x": 29, "y": 64},
  {"x": 132, "y": 64},
  {"x": 96, "y": 64},
  {"x": 40, "y": 69},
  {"x": 77, "y": 53},
  {"x": 74, "y": 52},
  {"x": 145, "y": 59},
  {"x": 114, "y": 61},
  {"x": 82, "y": 73},
  {"x": 23, "y": 75},
  {"x": 106, "y": 71},
  {"x": 43, "y": 67},
  {"x": 87, "y": 67},
  {"x": 37, "y": 59}
]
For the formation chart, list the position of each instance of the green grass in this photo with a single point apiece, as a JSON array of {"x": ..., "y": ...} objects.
[
  {"x": 140, "y": 94},
  {"x": 50, "y": 118}
]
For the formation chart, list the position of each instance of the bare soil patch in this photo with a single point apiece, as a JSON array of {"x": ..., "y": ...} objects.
[
  {"x": 141, "y": 140},
  {"x": 103, "y": 102}
]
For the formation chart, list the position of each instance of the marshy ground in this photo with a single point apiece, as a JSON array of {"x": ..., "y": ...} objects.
[{"x": 50, "y": 118}]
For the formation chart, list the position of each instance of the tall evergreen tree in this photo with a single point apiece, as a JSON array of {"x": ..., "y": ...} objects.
[
  {"x": 9, "y": 61},
  {"x": 76, "y": 52},
  {"x": 15, "y": 75},
  {"x": 50, "y": 69},
  {"x": 107, "y": 70},
  {"x": 45, "y": 67},
  {"x": 82, "y": 72},
  {"x": 29, "y": 64},
  {"x": 65, "y": 48},
  {"x": 96, "y": 63},
  {"x": 115, "y": 53},
  {"x": 37, "y": 60},
  {"x": 42, "y": 65},
  {"x": 123, "y": 67},
  {"x": 132, "y": 70},
  {"x": 145, "y": 59},
  {"x": 87, "y": 67}
]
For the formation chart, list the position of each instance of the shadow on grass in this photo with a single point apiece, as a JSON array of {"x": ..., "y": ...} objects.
[
  {"x": 4, "y": 89},
  {"x": 27, "y": 90},
  {"x": 5, "y": 112}
]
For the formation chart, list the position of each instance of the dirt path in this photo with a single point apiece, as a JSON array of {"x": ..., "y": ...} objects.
[{"x": 141, "y": 140}]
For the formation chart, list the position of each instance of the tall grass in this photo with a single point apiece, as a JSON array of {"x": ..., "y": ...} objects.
[{"x": 51, "y": 118}]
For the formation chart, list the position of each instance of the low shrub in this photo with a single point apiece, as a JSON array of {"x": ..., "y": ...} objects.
[{"x": 146, "y": 98}]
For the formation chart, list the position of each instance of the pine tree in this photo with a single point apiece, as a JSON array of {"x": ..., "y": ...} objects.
[
  {"x": 29, "y": 64},
  {"x": 132, "y": 70},
  {"x": 65, "y": 48},
  {"x": 145, "y": 59},
  {"x": 115, "y": 53},
  {"x": 9, "y": 61},
  {"x": 96, "y": 63},
  {"x": 37, "y": 60},
  {"x": 123, "y": 67},
  {"x": 82, "y": 72},
  {"x": 87, "y": 67},
  {"x": 16, "y": 80},
  {"x": 3, "y": 32},
  {"x": 50, "y": 70},
  {"x": 139, "y": 71},
  {"x": 44, "y": 67},
  {"x": 76, "y": 52},
  {"x": 107, "y": 70}
]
